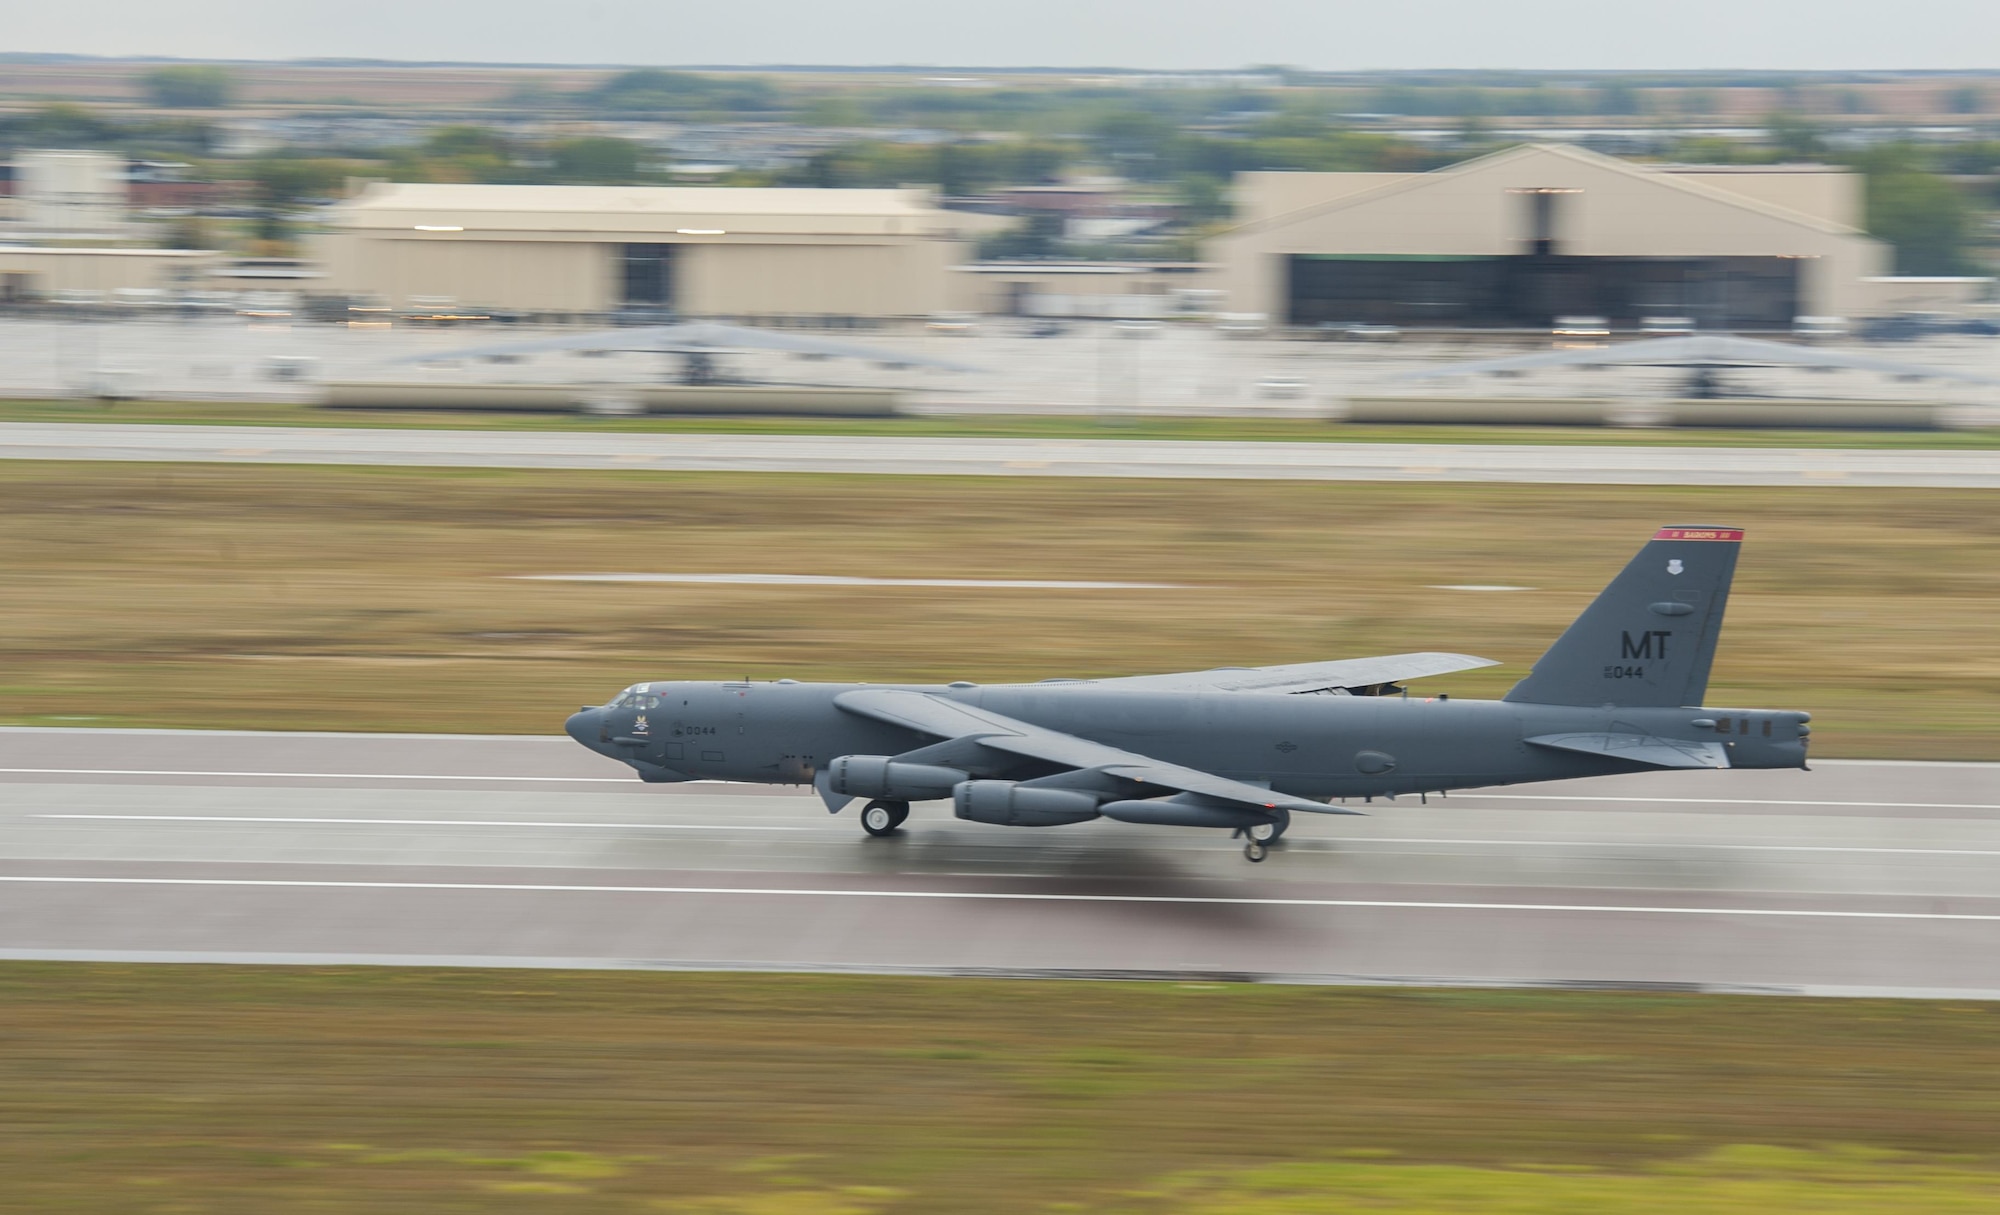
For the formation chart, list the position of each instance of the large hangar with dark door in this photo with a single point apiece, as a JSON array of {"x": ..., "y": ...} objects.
[{"x": 1522, "y": 237}]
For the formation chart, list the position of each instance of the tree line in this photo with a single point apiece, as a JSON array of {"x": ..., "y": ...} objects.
[{"x": 1926, "y": 200}]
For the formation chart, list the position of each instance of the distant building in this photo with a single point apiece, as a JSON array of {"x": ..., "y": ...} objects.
[
  {"x": 1092, "y": 212},
  {"x": 1059, "y": 289},
  {"x": 61, "y": 192},
  {"x": 695, "y": 251},
  {"x": 1521, "y": 237},
  {"x": 154, "y": 185},
  {"x": 45, "y": 272},
  {"x": 65, "y": 194}
]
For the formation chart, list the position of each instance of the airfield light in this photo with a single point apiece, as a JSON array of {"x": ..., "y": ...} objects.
[{"x": 701, "y": 232}]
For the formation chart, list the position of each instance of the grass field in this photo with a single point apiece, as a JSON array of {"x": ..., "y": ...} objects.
[
  {"x": 252, "y": 1090},
  {"x": 354, "y": 598},
  {"x": 1269, "y": 430}
]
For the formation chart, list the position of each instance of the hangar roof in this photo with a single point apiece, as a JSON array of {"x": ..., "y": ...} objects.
[
  {"x": 664, "y": 210},
  {"x": 1703, "y": 182}
]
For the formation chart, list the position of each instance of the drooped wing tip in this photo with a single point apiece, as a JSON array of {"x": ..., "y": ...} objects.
[{"x": 1725, "y": 535}]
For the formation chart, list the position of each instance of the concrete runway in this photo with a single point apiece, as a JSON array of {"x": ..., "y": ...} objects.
[
  {"x": 1581, "y": 465},
  {"x": 1861, "y": 877}
]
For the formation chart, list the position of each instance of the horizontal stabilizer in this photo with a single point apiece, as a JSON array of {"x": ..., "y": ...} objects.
[{"x": 1640, "y": 749}]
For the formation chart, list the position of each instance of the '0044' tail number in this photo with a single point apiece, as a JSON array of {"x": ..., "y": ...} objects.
[{"x": 1623, "y": 672}]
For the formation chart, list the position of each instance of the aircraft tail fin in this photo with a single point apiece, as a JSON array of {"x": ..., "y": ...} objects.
[{"x": 1649, "y": 638}]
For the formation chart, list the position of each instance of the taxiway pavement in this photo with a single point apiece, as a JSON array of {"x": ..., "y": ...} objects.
[
  {"x": 1417, "y": 462},
  {"x": 1860, "y": 877}
]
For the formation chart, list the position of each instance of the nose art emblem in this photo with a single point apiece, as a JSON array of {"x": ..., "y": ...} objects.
[{"x": 1674, "y": 565}]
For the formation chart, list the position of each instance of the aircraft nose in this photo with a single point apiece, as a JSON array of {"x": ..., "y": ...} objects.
[{"x": 582, "y": 726}]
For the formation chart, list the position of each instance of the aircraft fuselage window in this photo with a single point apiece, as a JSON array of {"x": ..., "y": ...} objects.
[{"x": 1722, "y": 725}]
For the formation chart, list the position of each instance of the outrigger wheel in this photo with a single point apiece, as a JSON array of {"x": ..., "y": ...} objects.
[
  {"x": 881, "y": 818},
  {"x": 1255, "y": 851}
]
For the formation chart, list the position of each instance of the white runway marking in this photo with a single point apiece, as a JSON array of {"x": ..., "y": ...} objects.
[
  {"x": 424, "y": 822},
  {"x": 1720, "y": 801},
  {"x": 840, "y": 580},
  {"x": 1364, "y": 839},
  {"x": 1449, "y": 841},
  {"x": 561, "y": 780},
  {"x": 1005, "y": 897}
]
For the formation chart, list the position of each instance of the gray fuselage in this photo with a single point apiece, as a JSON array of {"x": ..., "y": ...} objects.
[{"x": 1312, "y": 746}]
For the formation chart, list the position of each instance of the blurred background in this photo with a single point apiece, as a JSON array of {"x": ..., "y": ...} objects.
[
  {"x": 361, "y": 417},
  {"x": 324, "y": 226}
]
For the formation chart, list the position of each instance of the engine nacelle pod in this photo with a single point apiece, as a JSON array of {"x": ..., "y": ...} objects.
[
  {"x": 1176, "y": 812},
  {"x": 1010, "y": 804},
  {"x": 880, "y": 776}
]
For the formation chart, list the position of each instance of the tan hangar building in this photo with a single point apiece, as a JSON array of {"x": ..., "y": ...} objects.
[
  {"x": 29, "y": 272},
  {"x": 1521, "y": 237},
  {"x": 702, "y": 252}
]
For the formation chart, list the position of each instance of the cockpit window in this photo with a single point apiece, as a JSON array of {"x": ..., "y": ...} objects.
[{"x": 636, "y": 697}]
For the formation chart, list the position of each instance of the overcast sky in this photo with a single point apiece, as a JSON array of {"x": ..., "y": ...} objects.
[{"x": 1337, "y": 34}]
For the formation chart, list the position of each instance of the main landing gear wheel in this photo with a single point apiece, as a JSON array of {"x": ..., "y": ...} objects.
[
  {"x": 882, "y": 818},
  {"x": 1255, "y": 851},
  {"x": 1261, "y": 834},
  {"x": 1268, "y": 833}
]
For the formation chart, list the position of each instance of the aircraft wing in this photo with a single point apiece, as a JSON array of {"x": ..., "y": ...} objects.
[
  {"x": 948, "y": 719},
  {"x": 1707, "y": 350},
  {"x": 695, "y": 336},
  {"x": 1337, "y": 674}
]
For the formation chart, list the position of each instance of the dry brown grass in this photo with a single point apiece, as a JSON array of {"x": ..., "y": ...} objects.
[
  {"x": 378, "y": 598},
  {"x": 227, "y": 1090}
]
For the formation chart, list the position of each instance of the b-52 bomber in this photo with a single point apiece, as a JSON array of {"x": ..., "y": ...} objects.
[{"x": 1238, "y": 748}]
